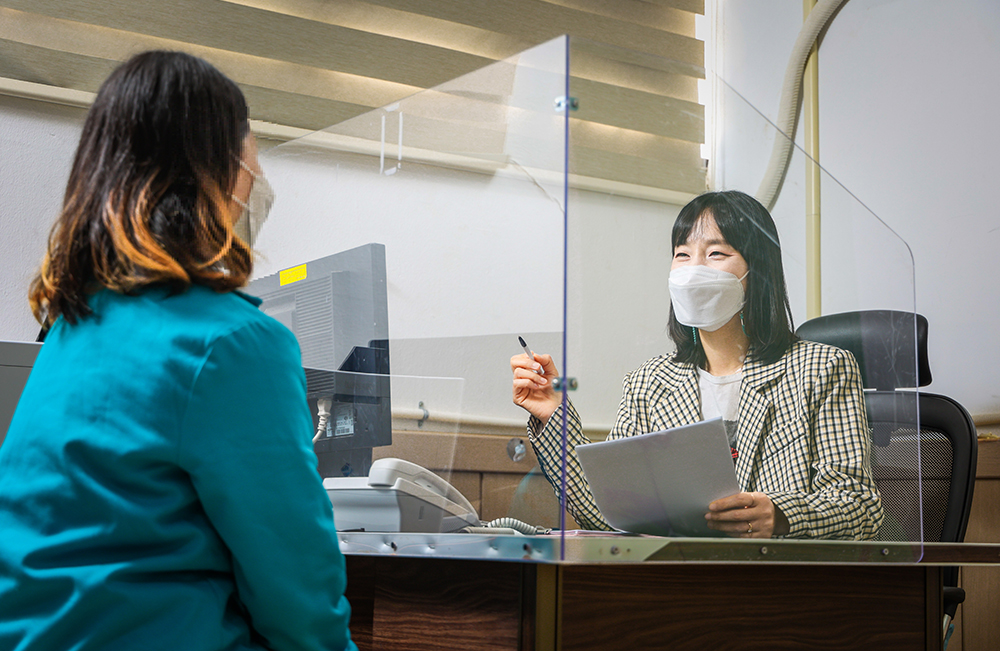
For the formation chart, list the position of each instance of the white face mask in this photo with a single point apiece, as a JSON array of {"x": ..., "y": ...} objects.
[
  {"x": 256, "y": 207},
  {"x": 705, "y": 297}
]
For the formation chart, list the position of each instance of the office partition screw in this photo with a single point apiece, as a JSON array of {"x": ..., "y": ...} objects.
[
  {"x": 562, "y": 103},
  {"x": 614, "y": 550},
  {"x": 885, "y": 551},
  {"x": 571, "y": 383},
  {"x": 763, "y": 550}
]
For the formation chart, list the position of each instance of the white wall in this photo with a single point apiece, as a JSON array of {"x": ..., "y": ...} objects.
[
  {"x": 37, "y": 141},
  {"x": 906, "y": 95},
  {"x": 908, "y": 92},
  {"x": 475, "y": 260}
]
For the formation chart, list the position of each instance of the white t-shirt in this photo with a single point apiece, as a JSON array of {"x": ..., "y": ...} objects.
[{"x": 720, "y": 396}]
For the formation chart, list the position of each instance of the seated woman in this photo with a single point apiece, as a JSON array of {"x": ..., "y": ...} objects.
[
  {"x": 794, "y": 410},
  {"x": 158, "y": 486}
]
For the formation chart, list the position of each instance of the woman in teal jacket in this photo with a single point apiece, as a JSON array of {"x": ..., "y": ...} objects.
[{"x": 158, "y": 488}]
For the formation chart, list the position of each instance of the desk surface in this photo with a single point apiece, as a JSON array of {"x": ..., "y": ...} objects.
[{"x": 591, "y": 548}]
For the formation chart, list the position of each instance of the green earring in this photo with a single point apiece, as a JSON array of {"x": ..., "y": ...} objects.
[
  {"x": 742, "y": 325},
  {"x": 694, "y": 335}
]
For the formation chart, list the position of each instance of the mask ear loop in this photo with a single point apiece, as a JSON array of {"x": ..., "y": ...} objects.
[
  {"x": 244, "y": 165},
  {"x": 254, "y": 175}
]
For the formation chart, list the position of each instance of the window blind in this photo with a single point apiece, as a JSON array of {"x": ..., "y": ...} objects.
[{"x": 309, "y": 64}]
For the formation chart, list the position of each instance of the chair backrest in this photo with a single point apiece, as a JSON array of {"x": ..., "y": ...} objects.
[
  {"x": 945, "y": 456},
  {"x": 890, "y": 346},
  {"x": 884, "y": 343}
]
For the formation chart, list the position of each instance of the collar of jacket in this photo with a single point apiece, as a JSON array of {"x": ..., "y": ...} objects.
[
  {"x": 677, "y": 376},
  {"x": 756, "y": 403}
]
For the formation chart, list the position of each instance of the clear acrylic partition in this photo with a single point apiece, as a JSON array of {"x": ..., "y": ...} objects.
[
  {"x": 486, "y": 236},
  {"x": 631, "y": 171},
  {"x": 429, "y": 235},
  {"x": 864, "y": 267}
]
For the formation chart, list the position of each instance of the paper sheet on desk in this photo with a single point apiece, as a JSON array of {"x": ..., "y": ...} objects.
[{"x": 661, "y": 483}]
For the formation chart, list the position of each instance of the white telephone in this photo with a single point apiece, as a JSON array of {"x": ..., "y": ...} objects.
[{"x": 398, "y": 496}]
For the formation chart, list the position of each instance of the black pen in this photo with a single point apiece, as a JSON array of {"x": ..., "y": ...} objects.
[{"x": 527, "y": 351}]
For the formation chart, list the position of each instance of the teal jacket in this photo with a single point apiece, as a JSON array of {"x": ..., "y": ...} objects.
[{"x": 158, "y": 487}]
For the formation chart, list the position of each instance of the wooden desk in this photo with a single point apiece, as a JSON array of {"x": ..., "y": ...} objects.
[{"x": 689, "y": 597}]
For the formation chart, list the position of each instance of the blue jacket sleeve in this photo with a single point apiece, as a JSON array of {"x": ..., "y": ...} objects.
[{"x": 246, "y": 443}]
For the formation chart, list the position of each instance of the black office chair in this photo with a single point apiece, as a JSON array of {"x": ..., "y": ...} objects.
[{"x": 884, "y": 343}]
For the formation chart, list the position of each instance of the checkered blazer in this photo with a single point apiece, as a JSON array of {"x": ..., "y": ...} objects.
[{"x": 803, "y": 437}]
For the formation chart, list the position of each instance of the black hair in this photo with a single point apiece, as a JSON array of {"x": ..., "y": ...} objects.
[
  {"x": 748, "y": 228},
  {"x": 149, "y": 194}
]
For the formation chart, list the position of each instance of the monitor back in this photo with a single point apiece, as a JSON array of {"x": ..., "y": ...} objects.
[{"x": 16, "y": 360}]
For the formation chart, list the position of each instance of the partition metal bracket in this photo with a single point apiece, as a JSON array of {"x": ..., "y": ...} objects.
[
  {"x": 563, "y": 102},
  {"x": 571, "y": 383}
]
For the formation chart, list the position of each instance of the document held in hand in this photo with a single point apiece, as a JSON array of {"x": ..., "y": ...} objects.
[{"x": 661, "y": 483}]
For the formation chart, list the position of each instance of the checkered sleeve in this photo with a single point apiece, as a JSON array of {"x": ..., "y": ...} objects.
[
  {"x": 842, "y": 500},
  {"x": 548, "y": 447}
]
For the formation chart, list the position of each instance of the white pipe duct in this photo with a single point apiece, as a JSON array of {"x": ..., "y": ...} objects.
[{"x": 791, "y": 90}]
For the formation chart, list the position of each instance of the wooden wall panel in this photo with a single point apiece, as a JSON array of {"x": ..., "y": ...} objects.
[{"x": 977, "y": 626}]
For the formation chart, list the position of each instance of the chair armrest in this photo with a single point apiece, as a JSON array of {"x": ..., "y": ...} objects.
[{"x": 952, "y": 597}]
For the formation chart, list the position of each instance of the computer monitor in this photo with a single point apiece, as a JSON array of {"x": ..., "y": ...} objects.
[
  {"x": 337, "y": 308},
  {"x": 16, "y": 360}
]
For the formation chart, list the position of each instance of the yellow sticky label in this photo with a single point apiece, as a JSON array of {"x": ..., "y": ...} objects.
[{"x": 293, "y": 275}]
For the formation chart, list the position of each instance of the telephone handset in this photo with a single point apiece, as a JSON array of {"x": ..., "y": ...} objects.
[
  {"x": 398, "y": 496},
  {"x": 393, "y": 472}
]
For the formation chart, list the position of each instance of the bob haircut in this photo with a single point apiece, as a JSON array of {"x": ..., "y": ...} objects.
[
  {"x": 747, "y": 227},
  {"x": 148, "y": 200}
]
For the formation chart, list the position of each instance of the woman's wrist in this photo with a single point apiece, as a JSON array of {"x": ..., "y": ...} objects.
[
  {"x": 537, "y": 424},
  {"x": 544, "y": 415}
]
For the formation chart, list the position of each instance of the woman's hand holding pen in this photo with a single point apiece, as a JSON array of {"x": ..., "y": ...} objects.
[{"x": 533, "y": 384}]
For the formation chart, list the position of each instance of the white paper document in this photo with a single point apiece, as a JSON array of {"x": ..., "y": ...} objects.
[{"x": 661, "y": 483}]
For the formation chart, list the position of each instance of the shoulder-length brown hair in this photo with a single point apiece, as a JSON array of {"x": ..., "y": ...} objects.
[{"x": 148, "y": 200}]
